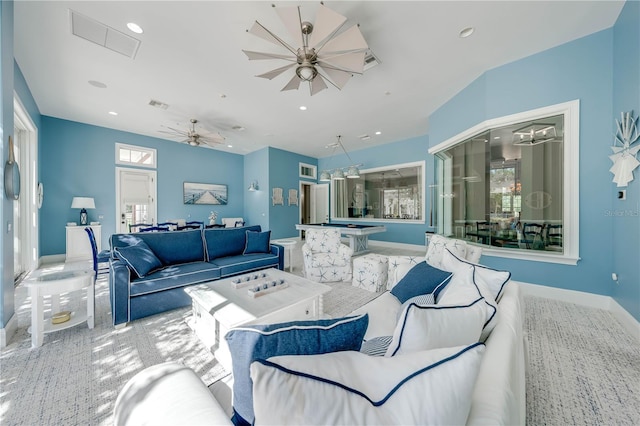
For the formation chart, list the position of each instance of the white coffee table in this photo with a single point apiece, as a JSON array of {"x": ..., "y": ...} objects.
[
  {"x": 53, "y": 284},
  {"x": 219, "y": 306}
]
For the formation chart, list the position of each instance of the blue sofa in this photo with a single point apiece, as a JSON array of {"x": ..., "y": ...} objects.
[{"x": 177, "y": 259}]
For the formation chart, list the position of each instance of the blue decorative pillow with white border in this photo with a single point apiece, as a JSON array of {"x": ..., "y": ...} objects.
[
  {"x": 258, "y": 342},
  {"x": 139, "y": 257},
  {"x": 421, "y": 279},
  {"x": 257, "y": 242}
]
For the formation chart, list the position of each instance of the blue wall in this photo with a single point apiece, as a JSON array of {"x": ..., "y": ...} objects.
[
  {"x": 284, "y": 173},
  {"x": 406, "y": 151},
  {"x": 626, "y": 220},
  {"x": 79, "y": 160},
  {"x": 582, "y": 70},
  {"x": 256, "y": 168}
]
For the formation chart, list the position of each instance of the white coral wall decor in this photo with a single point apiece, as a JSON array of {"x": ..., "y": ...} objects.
[{"x": 625, "y": 149}]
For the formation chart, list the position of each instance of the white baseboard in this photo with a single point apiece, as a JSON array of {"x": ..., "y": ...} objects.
[
  {"x": 8, "y": 331},
  {"x": 52, "y": 258},
  {"x": 585, "y": 299}
]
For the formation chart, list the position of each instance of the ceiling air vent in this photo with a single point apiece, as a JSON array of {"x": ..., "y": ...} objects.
[
  {"x": 158, "y": 104},
  {"x": 370, "y": 60},
  {"x": 102, "y": 35}
]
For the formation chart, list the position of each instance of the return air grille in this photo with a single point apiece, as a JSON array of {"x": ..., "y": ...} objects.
[{"x": 102, "y": 35}]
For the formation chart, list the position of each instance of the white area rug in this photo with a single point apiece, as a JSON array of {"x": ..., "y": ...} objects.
[{"x": 583, "y": 367}]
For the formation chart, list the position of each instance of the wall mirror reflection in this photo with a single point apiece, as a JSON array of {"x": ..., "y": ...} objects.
[{"x": 394, "y": 192}]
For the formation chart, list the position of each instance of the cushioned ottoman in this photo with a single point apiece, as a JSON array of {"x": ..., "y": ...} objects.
[{"x": 370, "y": 272}]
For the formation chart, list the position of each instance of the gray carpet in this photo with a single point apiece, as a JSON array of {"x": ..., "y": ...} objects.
[{"x": 583, "y": 367}]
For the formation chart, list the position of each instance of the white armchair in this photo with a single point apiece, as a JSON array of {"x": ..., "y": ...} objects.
[{"x": 325, "y": 258}]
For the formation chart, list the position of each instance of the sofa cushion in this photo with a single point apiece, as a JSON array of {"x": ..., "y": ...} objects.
[
  {"x": 175, "y": 276},
  {"x": 468, "y": 288},
  {"x": 171, "y": 248},
  {"x": 429, "y": 387},
  {"x": 233, "y": 265},
  {"x": 139, "y": 257},
  {"x": 257, "y": 242},
  {"x": 221, "y": 242},
  {"x": 254, "y": 342},
  {"x": 438, "y": 244},
  {"x": 424, "y": 327},
  {"x": 377, "y": 346},
  {"x": 421, "y": 279}
]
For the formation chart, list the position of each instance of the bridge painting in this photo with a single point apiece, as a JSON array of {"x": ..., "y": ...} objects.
[{"x": 204, "y": 193}]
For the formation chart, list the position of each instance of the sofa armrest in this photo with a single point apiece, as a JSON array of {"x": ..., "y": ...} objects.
[
  {"x": 119, "y": 285},
  {"x": 345, "y": 251},
  {"x": 278, "y": 250},
  {"x": 168, "y": 394}
]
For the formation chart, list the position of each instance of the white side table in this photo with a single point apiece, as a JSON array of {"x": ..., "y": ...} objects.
[
  {"x": 288, "y": 249},
  {"x": 54, "y": 284}
]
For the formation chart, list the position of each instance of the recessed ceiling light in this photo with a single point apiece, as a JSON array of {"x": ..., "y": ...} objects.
[
  {"x": 229, "y": 146},
  {"x": 303, "y": 108},
  {"x": 113, "y": 113},
  {"x": 98, "y": 84},
  {"x": 378, "y": 132},
  {"x": 466, "y": 32},
  {"x": 135, "y": 27},
  {"x": 496, "y": 137}
]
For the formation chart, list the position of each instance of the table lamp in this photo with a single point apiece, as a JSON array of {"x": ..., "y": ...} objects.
[{"x": 83, "y": 203}]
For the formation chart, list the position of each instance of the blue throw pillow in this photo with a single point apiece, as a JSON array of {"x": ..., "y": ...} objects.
[
  {"x": 257, "y": 242},
  {"x": 139, "y": 257},
  {"x": 253, "y": 342},
  {"x": 421, "y": 279}
]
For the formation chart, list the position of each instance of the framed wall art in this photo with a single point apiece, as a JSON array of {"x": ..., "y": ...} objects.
[{"x": 204, "y": 193}]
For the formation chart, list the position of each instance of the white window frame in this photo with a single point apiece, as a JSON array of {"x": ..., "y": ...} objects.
[
  {"x": 313, "y": 168},
  {"x": 153, "y": 151},
  {"x": 571, "y": 176}
]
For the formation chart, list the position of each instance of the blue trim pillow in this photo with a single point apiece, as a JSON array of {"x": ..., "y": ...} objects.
[
  {"x": 256, "y": 342},
  {"x": 257, "y": 242},
  {"x": 140, "y": 258},
  {"x": 421, "y": 279}
]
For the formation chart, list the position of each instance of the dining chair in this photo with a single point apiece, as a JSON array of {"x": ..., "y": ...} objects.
[
  {"x": 532, "y": 235},
  {"x": 196, "y": 224},
  {"x": 171, "y": 225},
  {"x": 136, "y": 226},
  {"x": 155, "y": 229},
  {"x": 100, "y": 259}
]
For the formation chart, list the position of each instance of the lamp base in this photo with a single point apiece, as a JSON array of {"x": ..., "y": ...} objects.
[{"x": 84, "y": 217}]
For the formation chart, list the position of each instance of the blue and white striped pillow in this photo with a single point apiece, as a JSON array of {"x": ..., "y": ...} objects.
[{"x": 376, "y": 346}]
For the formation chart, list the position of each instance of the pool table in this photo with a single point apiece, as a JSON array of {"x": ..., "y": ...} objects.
[{"x": 358, "y": 234}]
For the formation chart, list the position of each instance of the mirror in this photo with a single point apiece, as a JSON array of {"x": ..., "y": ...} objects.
[
  {"x": 393, "y": 192},
  {"x": 11, "y": 175}
]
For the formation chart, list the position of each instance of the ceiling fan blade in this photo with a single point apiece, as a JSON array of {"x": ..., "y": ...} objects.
[
  {"x": 317, "y": 85},
  {"x": 258, "y": 30},
  {"x": 338, "y": 77},
  {"x": 264, "y": 55},
  {"x": 292, "y": 20},
  {"x": 274, "y": 73},
  {"x": 349, "y": 40},
  {"x": 353, "y": 62},
  {"x": 327, "y": 23},
  {"x": 293, "y": 84}
]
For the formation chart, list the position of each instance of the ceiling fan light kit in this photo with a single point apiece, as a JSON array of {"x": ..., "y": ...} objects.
[
  {"x": 195, "y": 138},
  {"x": 326, "y": 55}
]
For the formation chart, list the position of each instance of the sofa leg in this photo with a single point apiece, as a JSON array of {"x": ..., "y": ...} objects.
[{"x": 121, "y": 325}]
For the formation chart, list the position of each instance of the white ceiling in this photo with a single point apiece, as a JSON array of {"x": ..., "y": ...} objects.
[{"x": 191, "y": 56}]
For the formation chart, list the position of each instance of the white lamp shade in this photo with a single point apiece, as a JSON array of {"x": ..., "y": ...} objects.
[
  {"x": 325, "y": 176},
  {"x": 83, "y": 203},
  {"x": 338, "y": 174},
  {"x": 353, "y": 172}
]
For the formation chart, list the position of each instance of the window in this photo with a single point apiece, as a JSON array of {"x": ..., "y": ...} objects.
[
  {"x": 132, "y": 155},
  {"x": 308, "y": 171},
  {"x": 511, "y": 185},
  {"x": 390, "y": 193}
]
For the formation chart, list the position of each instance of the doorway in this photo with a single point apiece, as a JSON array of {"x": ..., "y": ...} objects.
[
  {"x": 314, "y": 204},
  {"x": 25, "y": 208},
  {"x": 136, "y": 194}
]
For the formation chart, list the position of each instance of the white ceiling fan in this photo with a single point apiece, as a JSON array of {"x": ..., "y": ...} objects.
[
  {"x": 194, "y": 138},
  {"x": 326, "y": 54}
]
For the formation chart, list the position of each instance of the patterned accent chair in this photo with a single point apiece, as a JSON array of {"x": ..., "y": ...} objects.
[{"x": 325, "y": 258}]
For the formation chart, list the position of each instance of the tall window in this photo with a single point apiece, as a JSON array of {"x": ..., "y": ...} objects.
[{"x": 510, "y": 185}]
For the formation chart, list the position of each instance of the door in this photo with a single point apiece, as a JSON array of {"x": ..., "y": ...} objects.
[
  {"x": 320, "y": 203},
  {"x": 136, "y": 195}
]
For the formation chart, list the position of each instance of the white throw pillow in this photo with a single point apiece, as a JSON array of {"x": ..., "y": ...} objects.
[
  {"x": 438, "y": 244},
  {"x": 470, "y": 287},
  {"x": 424, "y": 327},
  {"x": 428, "y": 387},
  {"x": 383, "y": 314}
]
